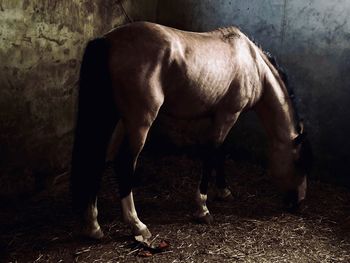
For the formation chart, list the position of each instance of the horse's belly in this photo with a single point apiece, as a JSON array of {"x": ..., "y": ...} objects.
[{"x": 187, "y": 104}]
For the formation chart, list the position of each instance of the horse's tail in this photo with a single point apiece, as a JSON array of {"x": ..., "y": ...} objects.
[{"x": 96, "y": 119}]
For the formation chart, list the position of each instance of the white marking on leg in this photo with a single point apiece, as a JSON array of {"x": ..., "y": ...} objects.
[
  {"x": 91, "y": 227},
  {"x": 201, "y": 200},
  {"x": 223, "y": 193},
  {"x": 130, "y": 217}
]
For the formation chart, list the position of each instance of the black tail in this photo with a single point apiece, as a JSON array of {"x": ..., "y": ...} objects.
[{"x": 96, "y": 119}]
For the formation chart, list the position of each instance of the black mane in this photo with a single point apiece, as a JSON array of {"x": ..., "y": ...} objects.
[
  {"x": 280, "y": 70},
  {"x": 283, "y": 75},
  {"x": 305, "y": 161}
]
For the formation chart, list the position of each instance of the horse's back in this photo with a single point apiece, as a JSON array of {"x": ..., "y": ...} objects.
[{"x": 192, "y": 72}]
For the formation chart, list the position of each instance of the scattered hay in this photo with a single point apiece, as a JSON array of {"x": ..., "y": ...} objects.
[{"x": 251, "y": 228}]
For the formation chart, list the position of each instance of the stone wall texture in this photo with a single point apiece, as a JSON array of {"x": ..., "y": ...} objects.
[
  {"x": 41, "y": 46},
  {"x": 42, "y": 41}
]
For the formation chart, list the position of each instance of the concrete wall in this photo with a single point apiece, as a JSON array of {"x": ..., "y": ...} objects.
[
  {"x": 42, "y": 43},
  {"x": 311, "y": 40},
  {"x": 40, "y": 52}
]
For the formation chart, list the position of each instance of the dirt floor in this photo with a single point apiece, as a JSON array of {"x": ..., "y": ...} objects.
[{"x": 251, "y": 228}]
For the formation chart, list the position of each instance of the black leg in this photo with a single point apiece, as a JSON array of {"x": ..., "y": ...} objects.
[
  {"x": 124, "y": 169},
  {"x": 223, "y": 192},
  {"x": 213, "y": 160},
  {"x": 208, "y": 164},
  {"x": 219, "y": 168}
]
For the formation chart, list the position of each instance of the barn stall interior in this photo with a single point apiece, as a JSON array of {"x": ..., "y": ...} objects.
[{"x": 41, "y": 50}]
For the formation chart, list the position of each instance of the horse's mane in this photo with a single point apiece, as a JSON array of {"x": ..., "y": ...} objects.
[
  {"x": 306, "y": 156},
  {"x": 284, "y": 77}
]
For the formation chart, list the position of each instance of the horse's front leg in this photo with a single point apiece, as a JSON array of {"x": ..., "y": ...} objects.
[
  {"x": 90, "y": 225},
  {"x": 202, "y": 214},
  {"x": 223, "y": 193},
  {"x": 213, "y": 160}
]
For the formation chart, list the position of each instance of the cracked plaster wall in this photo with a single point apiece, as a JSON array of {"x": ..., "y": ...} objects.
[{"x": 41, "y": 45}]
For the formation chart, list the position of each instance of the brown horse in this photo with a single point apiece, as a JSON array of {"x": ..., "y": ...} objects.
[{"x": 141, "y": 69}]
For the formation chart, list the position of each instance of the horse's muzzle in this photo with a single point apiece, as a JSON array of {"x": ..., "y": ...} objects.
[{"x": 294, "y": 201}]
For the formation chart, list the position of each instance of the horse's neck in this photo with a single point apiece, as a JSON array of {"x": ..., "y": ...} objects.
[{"x": 276, "y": 112}]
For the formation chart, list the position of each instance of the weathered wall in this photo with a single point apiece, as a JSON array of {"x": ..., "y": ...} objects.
[
  {"x": 311, "y": 40},
  {"x": 42, "y": 43},
  {"x": 41, "y": 46}
]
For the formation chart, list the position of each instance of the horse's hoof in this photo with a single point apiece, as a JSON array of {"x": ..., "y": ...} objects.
[
  {"x": 142, "y": 235},
  {"x": 292, "y": 202},
  {"x": 206, "y": 219},
  {"x": 94, "y": 234},
  {"x": 224, "y": 195},
  {"x": 295, "y": 208}
]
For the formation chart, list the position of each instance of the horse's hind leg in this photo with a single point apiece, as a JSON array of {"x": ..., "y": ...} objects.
[{"x": 125, "y": 164}]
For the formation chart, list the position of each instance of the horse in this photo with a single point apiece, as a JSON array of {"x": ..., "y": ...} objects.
[{"x": 139, "y": 70}]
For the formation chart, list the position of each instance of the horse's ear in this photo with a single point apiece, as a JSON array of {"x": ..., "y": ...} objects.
[
  {"x": 301, "y": 126},
  {"x": 301, "y": 133}
]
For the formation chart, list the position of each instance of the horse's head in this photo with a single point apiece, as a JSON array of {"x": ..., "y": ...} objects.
[
  {"x": 302, "y": 162},
  {"x": 291, "y": 165},
  {"x": 291, "y": 161}
]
